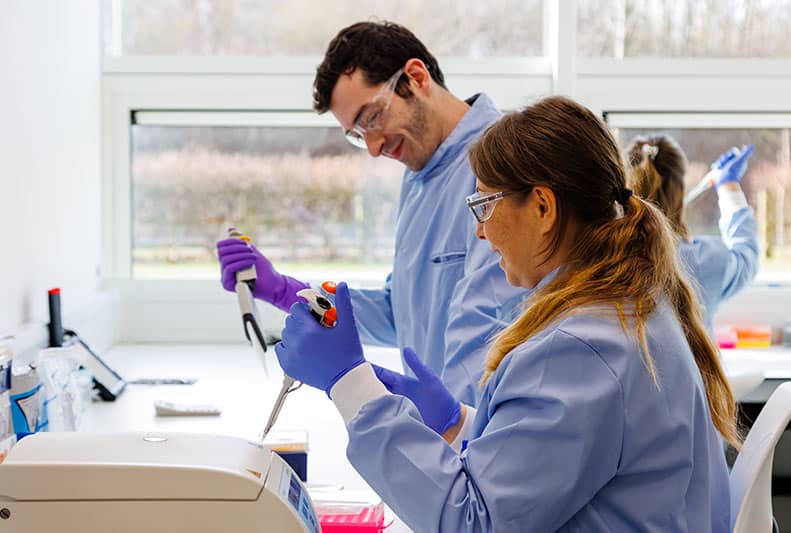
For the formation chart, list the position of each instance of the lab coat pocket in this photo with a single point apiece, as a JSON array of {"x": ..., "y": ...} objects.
[{"x": 446, "y": 258}]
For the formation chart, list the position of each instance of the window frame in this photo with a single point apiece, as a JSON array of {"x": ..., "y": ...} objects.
[
  {"x": 260, "y": 89},
  {"x": 273, "y": 85}
]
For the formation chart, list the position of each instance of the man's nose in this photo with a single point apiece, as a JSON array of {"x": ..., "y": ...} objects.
[{"x": 375, "y": 143}]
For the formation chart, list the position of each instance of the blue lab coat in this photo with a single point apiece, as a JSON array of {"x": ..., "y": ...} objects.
[
  {"x": 721, "y": 266},
  {"x": 447, "y": 293},
  {"x": 571, "y": 434}
]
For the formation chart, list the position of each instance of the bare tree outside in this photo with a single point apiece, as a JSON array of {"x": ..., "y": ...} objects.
[
  {"x": 467, "y": 28},
  {"x": 692, "y": 28}
]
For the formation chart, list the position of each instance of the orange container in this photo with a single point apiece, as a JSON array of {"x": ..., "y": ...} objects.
[{"x": 753, "y": 337}]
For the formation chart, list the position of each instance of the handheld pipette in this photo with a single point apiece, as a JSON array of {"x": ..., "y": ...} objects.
[
  {"x": 708, "y": 181},
  {"x": 327, "y": 315},
  {"x": 245, "y": 283}
]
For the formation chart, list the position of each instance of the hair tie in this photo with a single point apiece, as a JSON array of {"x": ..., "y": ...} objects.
[
  {"x": 650, "y": 151},
  {"x": 622, "y": 195}
]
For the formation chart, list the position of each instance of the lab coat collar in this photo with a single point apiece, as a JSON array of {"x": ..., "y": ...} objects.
[
  {"x": 481, "y": 114},
  {"x": 546, "y": 279}
]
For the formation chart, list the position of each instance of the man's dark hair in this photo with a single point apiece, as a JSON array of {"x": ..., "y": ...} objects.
[{"x": 379, "y": 49}]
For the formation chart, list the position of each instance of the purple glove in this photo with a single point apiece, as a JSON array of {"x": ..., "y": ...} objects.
[
  {"x": 270, "y": 285},
  {"x": 433, "y": 400},
  {"x": 317, "y": 355},
  {"x": 733, "y": 165}
]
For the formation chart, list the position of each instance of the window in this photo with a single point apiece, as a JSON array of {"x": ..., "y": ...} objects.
[
  {"x": 694, "y": 28},
  {"x": 767, "y": 185},
  {"x": 317, "y": 206},
  {"x": 468, "y": 28}
]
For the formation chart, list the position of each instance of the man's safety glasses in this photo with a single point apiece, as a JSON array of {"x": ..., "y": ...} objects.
[
  {"x": 482, "y": 207},
  {"x": 373, "y": 115}
]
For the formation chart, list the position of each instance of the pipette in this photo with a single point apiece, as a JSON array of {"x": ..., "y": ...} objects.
[
  {"x": 245, "y": 283},
  {"x": 327, "y": 315},
  {"x": 708, "y": 181}
]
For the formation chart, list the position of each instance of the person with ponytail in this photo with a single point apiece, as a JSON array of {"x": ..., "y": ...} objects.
[
  {"x": 719, "y": 266},
  {"x": 603, "y": 405}
]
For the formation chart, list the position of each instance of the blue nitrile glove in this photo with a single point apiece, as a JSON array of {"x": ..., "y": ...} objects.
[
  {"x": 732, "y": 165},
  {"x": 318, "y": 355},
  {"x": 270, "y": 285},
  {"x": 433, "y": 400}
]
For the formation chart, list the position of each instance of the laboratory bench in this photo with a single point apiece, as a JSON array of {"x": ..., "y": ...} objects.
[{"x": 231, "y": 377}]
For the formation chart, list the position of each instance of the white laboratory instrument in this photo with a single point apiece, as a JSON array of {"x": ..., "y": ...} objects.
[{"x": 152, "y": 482}]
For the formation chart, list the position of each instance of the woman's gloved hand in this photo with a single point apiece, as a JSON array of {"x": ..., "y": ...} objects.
[
  {"x": 732, "y": 164},
  {"x": 433, "y": 400},
  {"x": 317, "y": 355},
  {"x": 270, "y": 285}
]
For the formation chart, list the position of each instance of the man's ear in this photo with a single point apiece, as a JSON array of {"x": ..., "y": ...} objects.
[{"x": 418, "y": 74}]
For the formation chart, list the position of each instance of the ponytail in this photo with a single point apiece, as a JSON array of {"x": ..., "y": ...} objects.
[{"x": 657, "y": 175}]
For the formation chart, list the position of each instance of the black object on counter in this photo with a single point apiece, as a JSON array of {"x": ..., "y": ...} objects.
[{"x": 55, "y": 323}]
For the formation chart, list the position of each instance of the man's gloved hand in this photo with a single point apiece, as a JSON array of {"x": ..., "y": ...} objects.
[
  {"x": 270, "y": 285},
  {"x": 732, "y": 165},
  {"x": 315, "y": 354},
  {"x": 433, "y": 400}
]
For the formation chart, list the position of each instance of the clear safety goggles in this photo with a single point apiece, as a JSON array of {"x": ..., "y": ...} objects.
[
  {"x": 482, "y": 207},
  {"x": 373, "y": 116}
]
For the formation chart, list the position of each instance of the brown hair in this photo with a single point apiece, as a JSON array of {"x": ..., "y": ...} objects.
[
  {"x": 627, "y": 258},
  {"x": 379, "y": 49},
  {"x": 657, "y": 166}
]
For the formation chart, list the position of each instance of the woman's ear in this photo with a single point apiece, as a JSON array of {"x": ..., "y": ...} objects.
[{"x": 546, "y": 208}]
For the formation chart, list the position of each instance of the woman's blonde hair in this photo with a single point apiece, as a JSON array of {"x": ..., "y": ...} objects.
[
  {"x": 624, "y": 257},
  {"x": 657, "y": 166}
]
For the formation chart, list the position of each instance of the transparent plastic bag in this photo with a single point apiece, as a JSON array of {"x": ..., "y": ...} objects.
[{"x": 63, "y": 395}]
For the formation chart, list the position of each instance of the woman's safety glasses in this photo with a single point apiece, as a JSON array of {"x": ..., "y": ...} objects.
[
  {"x": 482, "y": 207},
  {"x": 373, "y": 115}
]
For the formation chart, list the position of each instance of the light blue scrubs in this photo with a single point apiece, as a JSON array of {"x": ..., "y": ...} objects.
[
  {"x": 571, "y": 434},
  {"x": 447, "y": 293},
  {"x": 722, "y": 266}
]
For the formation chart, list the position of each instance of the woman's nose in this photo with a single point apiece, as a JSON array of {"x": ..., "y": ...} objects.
[{"x": 479, "y": 231}]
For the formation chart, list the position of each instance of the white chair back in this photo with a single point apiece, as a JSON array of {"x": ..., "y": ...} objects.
[{"x": 751, "y": 476}]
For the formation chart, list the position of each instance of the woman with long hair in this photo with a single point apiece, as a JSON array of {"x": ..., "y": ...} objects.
[
  {"x": 603, "y": 405},
  {"x": 719, "y": 266}
]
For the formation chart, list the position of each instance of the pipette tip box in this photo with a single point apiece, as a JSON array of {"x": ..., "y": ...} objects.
[{"x": 292, "y": 446}]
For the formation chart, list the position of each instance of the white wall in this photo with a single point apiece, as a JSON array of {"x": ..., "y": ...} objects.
[{"x": 50, "y": 54}]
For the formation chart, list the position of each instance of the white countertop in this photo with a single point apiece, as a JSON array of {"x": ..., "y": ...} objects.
[{"x": 775, "y": 361}]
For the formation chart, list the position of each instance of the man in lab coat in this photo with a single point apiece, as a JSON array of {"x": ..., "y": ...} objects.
[{"x": 446, "y": 294}]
